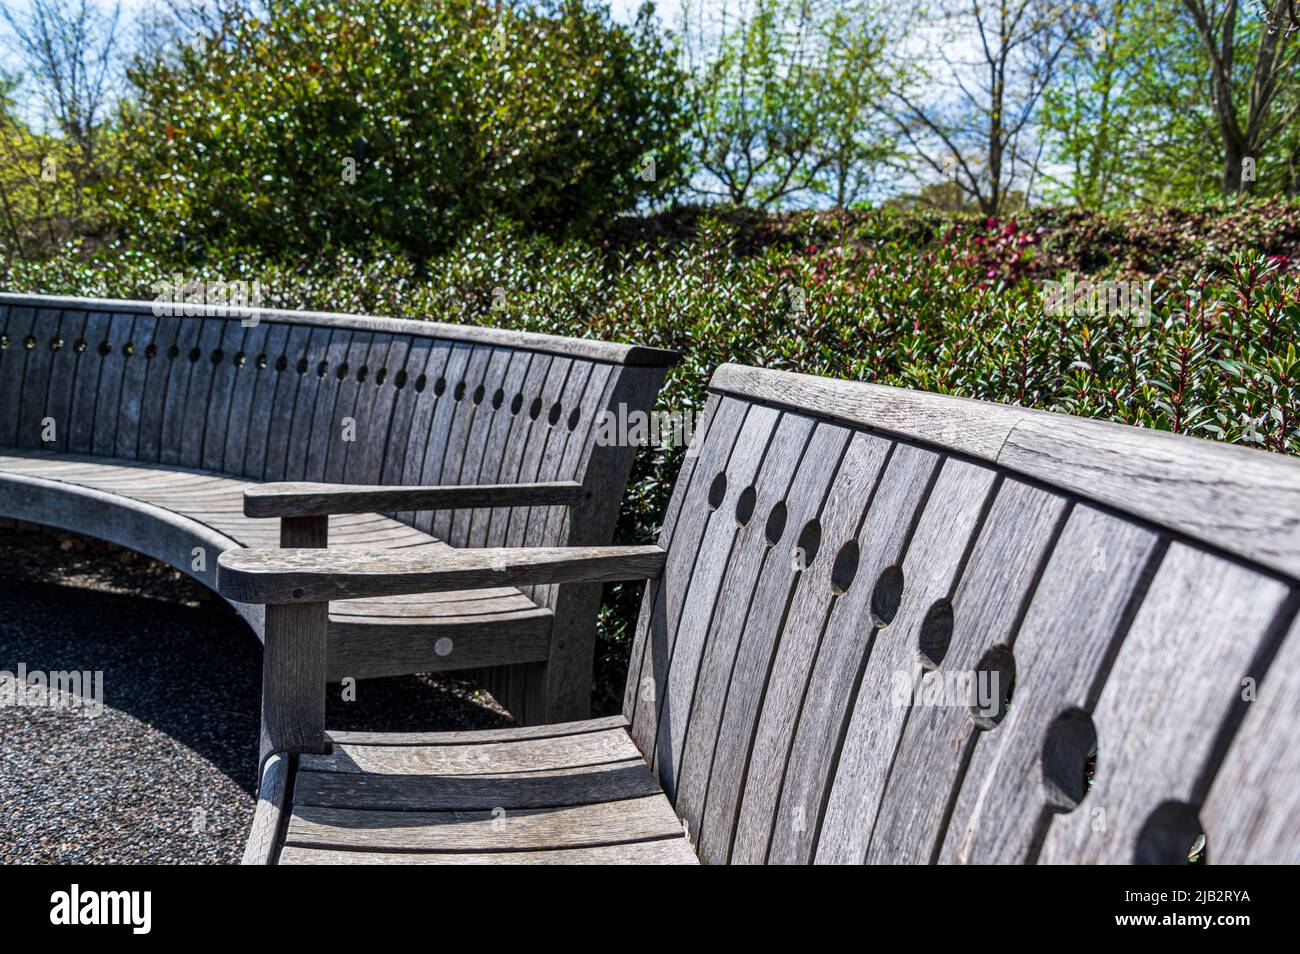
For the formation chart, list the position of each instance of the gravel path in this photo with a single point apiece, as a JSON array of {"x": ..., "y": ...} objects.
[{"x": 165, "y": 772}]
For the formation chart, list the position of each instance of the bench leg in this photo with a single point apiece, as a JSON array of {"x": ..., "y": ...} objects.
[
  {"x": 559, "y": 690},
  {"x": 293, "y": 660}
]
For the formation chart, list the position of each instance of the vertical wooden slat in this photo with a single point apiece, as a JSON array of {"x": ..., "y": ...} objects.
[
  {"x": 777, "y": 585},
  {"x": 935, "y": 745},
  {"x": 931, "y": 570},
  {"x": 1203, "y": 620},
  {"x": 751, "y": 552},
  {"x": 1067, "y": 641},
  {"x": 63, "y": 378},
  {"x": 33, "y": 400}
]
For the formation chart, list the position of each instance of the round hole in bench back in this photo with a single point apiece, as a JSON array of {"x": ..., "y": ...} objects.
[
  {"x": 845, "y": 568},
  {"x": 574, "y": 416},
  {"x": 4, "y": 342},
  {"x": 995, "y": 681},
  {"x": 810, "y": 541},
  {"x": 322, "y": 368},
  {"x": 105, "y": 349},
  {"x": 297, "y": 594},
  {"x": 56, "y": 344},
  {"x": 745, "y": 505},
  {"x": 302, "y": 365},
  {"x": 553, "y": 417},
  {"x": 459, "y": 393},
  {"x": 535, "y": 409},
  {"x": 775, "y": 528},
  {"x": 516, "y": 404},
  {"x": 362, "y": 373},
  {"x": 341, "y": 372},
  {"x": 422, "y": 382},
  {"x": 195, "y": 353},
  {"x": 240, "y": 359},
  {"x": 478, "y": 395},
  {"x": 173, "y": 352},
  {"x": 887, "y": 595},
  {"x": 717, "y": 491},
  {"x": 1069, "y": 757},
  {"x": 936, "y": 632},
  {"x": 30, "y": 342},
  {"x": 1172, "y": 835},
  {"x": 128, "y": 349},
  {"x": 218, "y": 356},
  {"x": 438, "y": 386},
  {"x": 399, "y": 381},
  {"x": 381, "y": 376},
  {"x": 150, "y": 351},
  {"x": 498, "y": 398},
  {"x": 260, "y": 361}
]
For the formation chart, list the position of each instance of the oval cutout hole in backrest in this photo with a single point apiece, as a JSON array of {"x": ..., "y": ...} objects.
[
  {"x": 745, "y": 505},
  {"x": 845, "y": 568},
  {"x": 1069, "y": 757},
  {"x": 936, "y": 633},
  {"x": 995, "y": 682},
  {"x": 717, "y": 491},
  {"x": 887, "y": 596},
  {"x": 1172, "y": 835}
]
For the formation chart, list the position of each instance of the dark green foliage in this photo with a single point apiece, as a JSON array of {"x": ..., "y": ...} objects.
[{"x": 337, "y": 124}]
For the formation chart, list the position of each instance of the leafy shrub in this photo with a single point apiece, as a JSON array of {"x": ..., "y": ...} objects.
[{"x": 403, "y": 121}]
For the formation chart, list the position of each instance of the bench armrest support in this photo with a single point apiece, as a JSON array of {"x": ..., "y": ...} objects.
[
  {"x": 295, "y": 576},
  {"x": 317, "y": 499}
]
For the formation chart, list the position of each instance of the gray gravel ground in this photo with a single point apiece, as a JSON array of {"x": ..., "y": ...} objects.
[{"x": 165, "y": 774}]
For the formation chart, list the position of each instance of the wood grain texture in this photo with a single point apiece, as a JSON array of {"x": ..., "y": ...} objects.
[
  {"x": 1252, "y": 811},
  {"x": 931, "y": 570},
  {"x": 838, "y": 524},
  {"x": 851, "y": 631},
  {"x": 295, "y": 576},
  {"x": 707, "y": 577},
  {"x": 584, "y": 785},
  {"x": 751, "y": 552},
  {"x": 663, "y": 851},
  {"x": 306, "y": 499},
  {"x": 581, "y": 347},
  {"x": 1079, "y": 614},
  {"x": 499, "y": 829},
  {"x": 263, "y": 837},
  {"x": 661, "y": 604},
  {"x": 995, "y": 586},
  {"x": 1202, "y": 622},
  {"x": 530, "y": 755},
  {"x": 777, "y": 585},
  {"x": 1205, "y": 490}
]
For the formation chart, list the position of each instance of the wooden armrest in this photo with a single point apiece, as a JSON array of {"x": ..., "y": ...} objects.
[
  {"x": 315, "y": 500},
  {"x": 315, "y": 575}
]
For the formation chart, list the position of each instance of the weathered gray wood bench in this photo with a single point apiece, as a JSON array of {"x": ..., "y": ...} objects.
[
  {"x": 836, "y": 558},
  {"x": 146, "y": 431}
]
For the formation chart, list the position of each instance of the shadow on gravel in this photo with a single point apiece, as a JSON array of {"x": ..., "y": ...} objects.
[{"x": 167, "y": 772}]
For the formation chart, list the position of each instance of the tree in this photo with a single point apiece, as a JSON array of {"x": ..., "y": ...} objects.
[
  {"x": 71, "y": 52},
  {"x": 783, "y": 101},
  {"x": 1247, "y": 103},
  {"x": 974, "y": 124}
]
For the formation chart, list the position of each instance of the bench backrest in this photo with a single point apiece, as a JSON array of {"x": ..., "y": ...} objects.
[
  {"x": 902, "y": 627},
  {"x": 322, "y": 397}
]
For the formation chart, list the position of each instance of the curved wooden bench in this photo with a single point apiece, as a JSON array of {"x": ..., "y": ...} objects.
[
  {"x": 836, "y": 558},
  {"x": 147, "y": 430}
]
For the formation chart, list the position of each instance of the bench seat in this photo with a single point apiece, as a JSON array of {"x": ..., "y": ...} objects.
[
  {"x": 572, "y": 793},
  {"x": 172, "y": 510}
]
